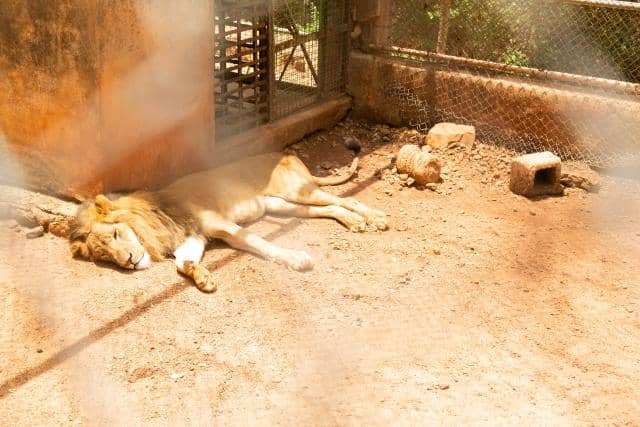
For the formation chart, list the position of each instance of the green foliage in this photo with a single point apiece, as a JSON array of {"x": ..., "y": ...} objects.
[
  {"x": 585, "y": 40},
  {"x": 515, "y": 57},
  {"x": 304, "y": 13}
]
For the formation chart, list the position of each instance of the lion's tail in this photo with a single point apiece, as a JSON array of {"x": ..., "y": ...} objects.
[{"x": 337, "y": 179}]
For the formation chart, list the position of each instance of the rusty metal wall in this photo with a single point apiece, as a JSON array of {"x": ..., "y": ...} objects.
[{"x": 99, "y": 96}]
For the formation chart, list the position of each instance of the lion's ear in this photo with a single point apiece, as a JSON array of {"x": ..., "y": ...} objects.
[
  {"x": 80, "y": 249},
  {"x": 103, "y": 205}
]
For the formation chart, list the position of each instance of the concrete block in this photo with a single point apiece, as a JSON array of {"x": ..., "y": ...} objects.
[{"x": 536, "y": 174}]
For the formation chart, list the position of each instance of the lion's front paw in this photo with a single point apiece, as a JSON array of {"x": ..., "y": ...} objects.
[
  {"x": 378, "y": 219},
  {"x": 201, "y": 276},
  {"x": 359, "y": 227},
  {"x": 297, "y": 260}
]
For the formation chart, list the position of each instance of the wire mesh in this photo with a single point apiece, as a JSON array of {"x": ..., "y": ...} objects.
[
  {"x": 591, "y": 45},
  {"x": 309, "y": 52},
  {"x": 273, "y": 58}
]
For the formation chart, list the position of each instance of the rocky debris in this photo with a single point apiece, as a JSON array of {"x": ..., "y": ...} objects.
[
  {"x": 175, "y": 376},
  {"x": 410, "y": 136},
  {"x": 580, "y": 175},
  {"x": 392, "y": 177},
  {"x": 422, "y": 166},
  {"x": 443, "y": 134},
  {"x": 33, "y": 209},
  {"x": 140, "y": 373},
  {"x": 536, "y": 174},
  {"x": 35, "y": 232},
  {"x": 575, "y": 181}
]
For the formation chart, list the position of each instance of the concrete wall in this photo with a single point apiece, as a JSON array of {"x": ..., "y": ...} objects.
[
  {"x": 574, "y": 122},
  {"x": 101, "y": 95}
]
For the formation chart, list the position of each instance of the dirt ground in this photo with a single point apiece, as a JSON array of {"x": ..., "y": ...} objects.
[{"x": 476, "y": 307}]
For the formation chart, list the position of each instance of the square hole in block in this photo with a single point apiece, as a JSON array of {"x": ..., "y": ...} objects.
[{"x": 544, "y": 177}]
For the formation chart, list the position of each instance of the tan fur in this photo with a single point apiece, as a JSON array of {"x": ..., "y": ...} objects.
[{"x": 209, "y": 205}]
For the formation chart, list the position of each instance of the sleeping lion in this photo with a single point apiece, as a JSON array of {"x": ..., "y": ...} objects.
[{"x": 134, "y": 230}]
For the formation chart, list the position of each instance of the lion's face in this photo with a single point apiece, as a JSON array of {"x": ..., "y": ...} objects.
[
  {"x": 117, "y": 243},
  {"x": 104, "y": 240}
]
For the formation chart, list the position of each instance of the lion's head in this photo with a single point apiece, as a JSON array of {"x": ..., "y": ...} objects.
[{"x": 104, "y": 231}]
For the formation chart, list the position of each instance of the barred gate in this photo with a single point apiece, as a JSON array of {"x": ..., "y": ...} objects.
[{"x": 275, "y": 57}]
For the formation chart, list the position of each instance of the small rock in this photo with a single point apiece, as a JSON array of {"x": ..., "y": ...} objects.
[
  {"x": 410, "y": 137},
  {"x": 432, "y": 186},
  {"x": 176, "y": 376},
  {"x": 326, "y": 165},
  {"x": 35, "y": 232},
  {"x": 353, "y": 144},
  {"x": 443, "y": 386},
  {"x": 436, "y": 251},
  {"x": 140, "y": 373}
]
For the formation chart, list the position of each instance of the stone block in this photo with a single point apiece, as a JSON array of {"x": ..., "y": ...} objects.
[
  {"x": 536, "y": 174},
  {"x": 443, "y": 134}
]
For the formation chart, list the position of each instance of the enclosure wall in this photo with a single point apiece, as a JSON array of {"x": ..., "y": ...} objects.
[
  {"x": 505, "y": 110},
  {"x": 101, "y": 95}
]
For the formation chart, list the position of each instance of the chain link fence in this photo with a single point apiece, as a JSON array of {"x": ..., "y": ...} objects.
[{"x": 568, "y": 72}]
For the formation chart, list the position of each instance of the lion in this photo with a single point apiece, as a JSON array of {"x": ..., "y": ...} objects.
[{"x": 178, "y": 221}]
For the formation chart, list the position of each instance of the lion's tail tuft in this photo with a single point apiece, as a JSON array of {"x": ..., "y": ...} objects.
[{"x": 337, "y": 179}]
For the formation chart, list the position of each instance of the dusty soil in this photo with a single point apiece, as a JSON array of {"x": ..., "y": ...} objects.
[{"x": 476, "y": 307}]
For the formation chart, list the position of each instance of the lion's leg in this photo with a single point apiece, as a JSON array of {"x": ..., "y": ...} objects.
[
  {"x": 187, "y": 260},
  {"x": 320, "y": 197},
  {"x": 350, "y": 219},
  {"x": 239, "y": 238}
]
